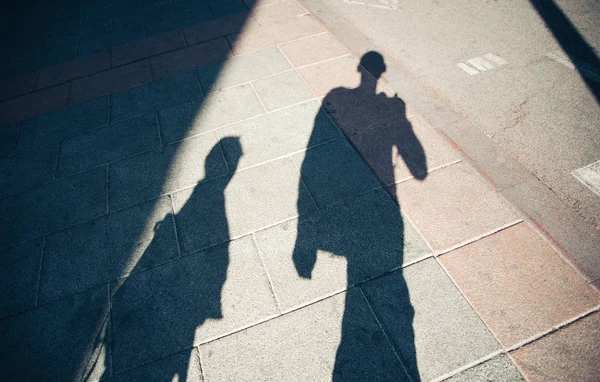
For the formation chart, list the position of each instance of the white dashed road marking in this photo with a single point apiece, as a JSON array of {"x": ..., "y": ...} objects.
[
  {"x": 470, "y": 70},
  {"x": 385, "y": 4},
  {"x": 590, "y": 176},
  {"x": 481, "y": 64}
]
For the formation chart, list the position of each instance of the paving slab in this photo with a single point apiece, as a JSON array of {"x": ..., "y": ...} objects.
[
  {"x": 17, "y": 85},
  {"x": 107, "y": 248},
  {"x": 106, "y": 41},
  {"x": 430, "y": 323},
  {"x": 330, "y": 75},
  {"x": 64, "y": 123},
  {"x": 112, "y": 142},
  {"x": 27, "y": 169},
  {"x": 154, "y": 95},
  {"x": 158, "y": 172},
  {"x": 188, "y": 301},
  {"x": 569, "y": 354},
  {"x": 577, "y": 240},
  {"x": 202, "y": 115},
  {"x": 8, "y": 139},
  {"x": 227, "y": 8},
  {"x": 147, "y": 47},
  {"x": 181, "y": 60},
  {"x": 294, "y": 28},
  {"x": 110, "y": 81},
  {"x": 331, "y": 340},
  {"x": 144, "y": 13},
  {"x": 65, "y": 340},
  {"x": 185, "y": 366},
  {"x": 53, "y": 206},
  {"x": 279, "y": 133},
  {"x": 20, "y": 274},
  {"x": 453, "y": 205},
  {"x": 273, "y": 13},
  {"x": 220, "y": 27},
  {"x": 281, "y": 90},
  {"x": 313, "y": 49},
  {"x": 518, "y": 284},
  {"x": 253, "y": 38},
  {"x": 254, "y": 199},
  {"x": 179, "y": 18},
  {"x": 241, "y": 69},
  {"x": 497, "y": 369},
  {"x": 34, "y": 104},
  {"x": 325, "y": 252},
  {"x": 79, "y": 67},
  {"x": 334, "y": 171}
]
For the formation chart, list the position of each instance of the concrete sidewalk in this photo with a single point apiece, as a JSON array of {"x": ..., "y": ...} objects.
[{"x": 223, "y": 191}]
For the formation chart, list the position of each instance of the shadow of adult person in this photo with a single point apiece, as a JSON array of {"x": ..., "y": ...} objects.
[
  {"x": 155, "y": 313},
  {"x": 368, "y": 230}
]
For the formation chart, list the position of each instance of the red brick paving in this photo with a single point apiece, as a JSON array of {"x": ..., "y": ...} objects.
[
  {"x": 69, "y": 70},
  {"x": 147, "y": 47},
  {"x": 34, "y": 104},
  {"x": 181, "y": 60},
  {"x": 569, "y": 354},
  {"x": 518, "y": 284},
  {"x": 18, "y": 85},
  {"x": 452, "y": 206},
  {"x": 110, "y": 81}
]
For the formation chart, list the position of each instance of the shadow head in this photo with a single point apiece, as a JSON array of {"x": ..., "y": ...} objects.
[
  {"x": 374, "y": 63},
  {"x": 233, "y": 152}
]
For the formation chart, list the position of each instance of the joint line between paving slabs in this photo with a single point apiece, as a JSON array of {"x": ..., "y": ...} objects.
[
  {"x": 58, "y": 152},
  {"x": 457, "y": 287},
  {"x": 385, "y": 333},
  {"x": 107, "y": 186},
  {"x": 110, "y": 326},
  {"x": 304, "y": 183},
  {"x": 266, "y": 270},
  {"x": 533, "y": 224},
  {"x": 202, "y": 376},
  {"x": 269, "y": 318},
  {"x": 468, "y": 366},
  {"x": 429, "y": 171},
  {"x": 295, "y": 69},
  {"x": 325, "y": 60},
  {"x": 160, "y": 140},
  {"x": 478, "y": 237},
  {"x": 289, "y": 155},
  {"x": 218, "y": 137},
  {"x": 170, "y": 196},
  {"x": 13, "y": 149},
  {"x": 554, "y": 329},
  {"x": 302, "y": 38},
  {"x": 217, "y": 90},
  {"x": 258, "y": 97},
  {"x": 204, "y": 92},
  {"x": 39, "y": 278}
]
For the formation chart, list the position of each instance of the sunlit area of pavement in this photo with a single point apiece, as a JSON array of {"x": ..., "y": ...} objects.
[{"x": 311, "y": 190}]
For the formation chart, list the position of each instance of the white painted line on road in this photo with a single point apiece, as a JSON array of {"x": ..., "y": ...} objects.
[
  {"x": 590, "y": 176},
  {"x": 481, "y": 64},
  {"x": 583, "y": 68},
  {"x": 471, "y": 71},
  {"x": 495, "y": 59}
]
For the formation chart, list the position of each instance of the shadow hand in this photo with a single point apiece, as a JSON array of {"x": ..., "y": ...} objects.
[{"x": 304, "y": 262}]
